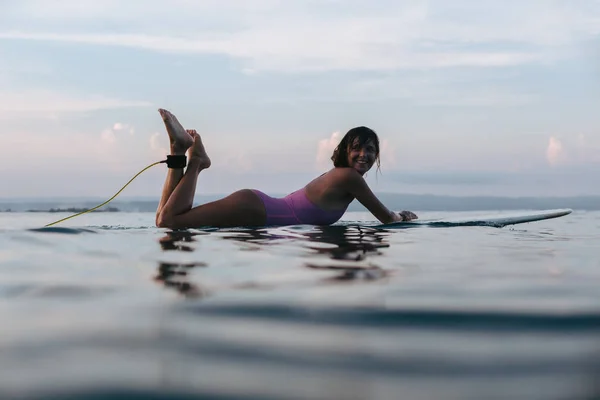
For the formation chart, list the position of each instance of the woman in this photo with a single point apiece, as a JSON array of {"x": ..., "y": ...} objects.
[{"x": 322, "y": 202}]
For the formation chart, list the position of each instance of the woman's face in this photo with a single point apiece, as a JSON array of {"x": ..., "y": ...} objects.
[{"x": 362, "y": 158}]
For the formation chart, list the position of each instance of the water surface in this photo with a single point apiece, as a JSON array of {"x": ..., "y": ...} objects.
[{"x": 106, "y": 305}]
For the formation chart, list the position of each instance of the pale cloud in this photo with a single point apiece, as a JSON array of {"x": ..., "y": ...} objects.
[
  {"x": 114, "y": 150},
  {"x": 304, "y": 51},
  {"x": 119, "y": 126},
  {"x": 158, "y": 146},
  {"x": 60, "y": 146},
  {"x": 65, "y": 11},
  {"x": 108, "y": 136},
  {"x": 110, "y": 151},
  {"x": 155, "y": 141},
  {"x": 387, "y": 153},
  {"x": 238, "y": 161},
  {"x": 325, "y": 149},
  {"x": 274, "y": 36},
  {"x": 39, "y": 68},
  {"x": 554, "y": 152},
  {"x": 431, "y": 89},
  {"x": 45, "y": 103},
  {"x": 62, "y": 150},
  {"x": 573, "y": 150}
]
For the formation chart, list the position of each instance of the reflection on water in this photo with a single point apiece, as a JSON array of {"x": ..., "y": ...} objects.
[
  {"x": 346, "y": 251},
  {"x": 176, "y": 275},
  {"x": 351, "y": 252},
  {"x": 351, "y": 243}
]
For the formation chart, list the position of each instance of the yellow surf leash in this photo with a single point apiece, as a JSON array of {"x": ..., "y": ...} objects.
[{"x": 176, "y": 161}]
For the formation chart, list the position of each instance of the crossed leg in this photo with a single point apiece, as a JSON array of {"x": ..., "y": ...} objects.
[
  {"x": 180, "y": 142},
  {"x": 241, "y": 208}
]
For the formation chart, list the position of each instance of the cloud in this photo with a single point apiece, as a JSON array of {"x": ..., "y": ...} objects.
[
  {"x": 48, "y": 103},
  {"x": 237, "y": 161},
  {"x": 266, "y": 51},
  {"x": 124, "y": 127},
  {"x": 114, "y": 148},
  {"x": 427, "y": 88},
  {"x": 157, "y": 146},
  {"x": 273, "y": 36},
  {"x": 73, "y": 11},
  {"x": 325, "y": 149},
  {"x": 36, "y": 67},
  {"x": 387, "y": 153},
  {"x": 554, "y": 152},
  {"x": 108, "y": 136},
  {"x": 450, "y": 178}
]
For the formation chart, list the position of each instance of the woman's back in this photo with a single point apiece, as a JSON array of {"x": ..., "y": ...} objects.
[{"x": 329, "y": 191}]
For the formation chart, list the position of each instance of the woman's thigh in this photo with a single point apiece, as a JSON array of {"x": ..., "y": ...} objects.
[{"x": 241, "y": 208}]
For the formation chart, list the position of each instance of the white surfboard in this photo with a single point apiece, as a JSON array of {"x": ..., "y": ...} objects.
[{"x": 498, "y": 220}]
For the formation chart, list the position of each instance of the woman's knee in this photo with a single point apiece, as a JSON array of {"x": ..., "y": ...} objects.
[{"x": 164, "y": 220}]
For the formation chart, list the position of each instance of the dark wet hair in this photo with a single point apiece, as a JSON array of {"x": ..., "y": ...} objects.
[{"x": 362, "y": 134}]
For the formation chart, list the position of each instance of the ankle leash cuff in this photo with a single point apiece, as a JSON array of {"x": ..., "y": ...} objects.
[{"x": 177, "y": 161}]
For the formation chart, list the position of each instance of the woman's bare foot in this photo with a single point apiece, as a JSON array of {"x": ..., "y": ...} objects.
[
  {"x": 197, "y": 151},
  {"x": 179, "y": 138}
]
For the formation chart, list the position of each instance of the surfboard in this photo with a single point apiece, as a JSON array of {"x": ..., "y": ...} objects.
[{"x": 498, "y": 220}]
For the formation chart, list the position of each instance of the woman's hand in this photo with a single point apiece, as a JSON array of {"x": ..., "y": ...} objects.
[{"x": 404, "y": 216}]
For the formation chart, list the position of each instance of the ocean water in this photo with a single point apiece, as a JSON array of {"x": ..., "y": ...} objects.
[{"x": 107, "y": 306}]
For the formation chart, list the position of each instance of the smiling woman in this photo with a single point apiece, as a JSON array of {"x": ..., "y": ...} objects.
[
  {"x": 323, "y": 201},
  {"x": 358, "y": 149}
]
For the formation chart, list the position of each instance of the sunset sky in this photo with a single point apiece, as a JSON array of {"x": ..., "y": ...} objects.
[{"x": 468, "y": 97}]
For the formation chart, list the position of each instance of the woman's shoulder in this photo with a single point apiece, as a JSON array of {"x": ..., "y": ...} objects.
[
  {"x": 339, "y": 176},
  {"x": 344, "y": 173}
]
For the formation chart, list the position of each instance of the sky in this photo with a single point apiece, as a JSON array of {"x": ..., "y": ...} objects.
[{"x": 467, "y": 97}]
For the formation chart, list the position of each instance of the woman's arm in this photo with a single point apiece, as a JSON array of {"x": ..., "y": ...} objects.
[{"x": 355, "y": 184}]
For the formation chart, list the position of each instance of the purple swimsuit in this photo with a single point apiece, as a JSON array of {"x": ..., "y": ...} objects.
[{"x": 296, "y": 209}]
